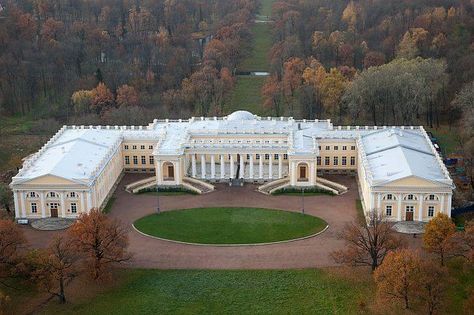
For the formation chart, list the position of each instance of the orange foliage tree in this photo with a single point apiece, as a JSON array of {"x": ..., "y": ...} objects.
[
  {"x": 127, "y": 96},
  {"x": 12, "y": 241},
  {"x": 101, "y": 240},
  {"x": 437, "y": 237},
  {"x": 102, "y": 99}
]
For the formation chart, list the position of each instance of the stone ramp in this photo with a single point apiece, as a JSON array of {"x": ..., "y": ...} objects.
[
  {"x": 272, "y": 186},
  {"x": 141, "y": 184},
  {"x": 197, "y": 185},
  {"x": 336, "y": 188}
]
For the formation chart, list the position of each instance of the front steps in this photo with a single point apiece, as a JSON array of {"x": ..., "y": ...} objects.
[
  {"x": 197, "y": 185},
  {"x": 272, "y": 186},
  {"x": 141, "y": 184},
  {"x": 338, "y": 189}
]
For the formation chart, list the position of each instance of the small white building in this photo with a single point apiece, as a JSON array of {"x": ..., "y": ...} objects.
[{"x": 399, "y": 171}]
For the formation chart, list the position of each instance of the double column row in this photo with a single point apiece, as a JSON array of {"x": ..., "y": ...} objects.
[{"x": 251, "y": 173}]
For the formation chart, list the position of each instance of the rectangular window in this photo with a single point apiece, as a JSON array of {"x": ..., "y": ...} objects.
[
  {"x": 126, "y": 147},
  {"x": 72, "y": 194},
  {"x": 142, "y": 147},
  {"x": 34, "y": 208},
  {"x": 135, "y": 159},
  {"x": 326, "y": 160},
  {"x": 388, "y": 211},
  {"x": 327, "y": 147},
  {"x": 389, "y": 197},
  {"x": 152, "y": 159},
  {"x": 257, "y": 156},
  {"x": 127, "y": 159},
  {"x": 319, "y": 147},
  {"x": 336, "y": 148},
  {"x": 318, "y": 160},
  {"x": 336, "y": 160},
  {"x": 432, "y": 197},
  {"x": 344, "y": 147},
  {"x": 276, "y": 156},
  {"x": 285, "y": 156},
  {"x": 134, "y": 147},
  {"x": 431, "y": 211},
  {"x": 353, "y": 147},
  {"x": 143, "y": 159},
  {"x": 409, "y": 208},
  {"x": 344, "y": 160},
  {"x": 150, "y": 147},
  {"x": 353, "y": 160},
  {"x": 267, "y": 156},
  {"x": 248, "y": 156},
  {"x": 73, "y": 207}
]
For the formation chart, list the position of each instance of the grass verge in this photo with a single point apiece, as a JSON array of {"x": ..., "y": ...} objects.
[
  {"x": 229, "y": 225},
  {"x": 309, "y": 191}
]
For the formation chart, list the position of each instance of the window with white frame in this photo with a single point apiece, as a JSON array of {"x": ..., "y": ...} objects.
[
  {"x": 388, "y": 210},
  {"x": 318, "y": 160},
  {"x": 389, "y": 196},
  {"x": 344, "y": 160},
  {"x": 127, "y": 159},
  {"x": 336, "y": 160},
  {"x": 353, "y": 147},
  {"x": 267, "y": 156},
  {"x": 344, "y": 147},
  {"x": 248, "y": 156},
  {"x": 328, "y": 147},
  {"x": 126, "y": 147},
  {"x": 327, "y": 160},
  {"x": 150, "y": 147},
  {"x": 151, "y": 158},
  {"x": 34, "y": 207},
  {"x": 431, "y": 211},
  {"x": 135, "y": 159},
  {"x": 73, "y": 207},
  {"x": 432, "y": 197},
  {"x": 410, "y": 197},
  {"x": 142, "y": 147},
  {"x": 143, "y": 159},
  {"x": 276, "y": 156},
  {"x": 134, "y": 147},
  {"x": 336, "y": 148},
  {"x": 72, "y": 194},
  {"x": 285, "y": 156},
  {"x": 257, "y": 156},
  {"x": 353, "y": 160}
]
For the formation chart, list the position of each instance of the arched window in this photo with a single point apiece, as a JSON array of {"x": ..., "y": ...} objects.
[
  {"x": 52, "y": 195},
  {"x": 32, "y": 195},
  {"x": 72, "y": 195},
  {"x": 389, "y": 197},
  {"x": 432, "y": 197},
  {"x": 409, "y": 197}
]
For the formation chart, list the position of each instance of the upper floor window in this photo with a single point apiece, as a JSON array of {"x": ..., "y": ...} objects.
[
  {"x": 285, "y": 156},
  {"x": 389, "y": 196},
  {"x": 126, "y": 147},
  {"x": 52, "y": 194},
  {"x": 257, "y": 156},
  {"x": 353, "y": 160},
  {"x": 134, "y": 147},
  {"x": 327, "y": 147},
  {"x": 388, "y": 210},
  {"x": 34, "y": 207},
  {"x": 344, "y": 160},
  {"x": 344, "y": 147},
  {"x": 353, "y": 147},
  {"x": 319, "y": 147},
  {"x": 127, "y": 159},
  {"x": 143, "y": 159},
  {"x": 410, "y": 197},
  {"x": 152, "y": 159},
  {"x": 32, "y": 194},
  {"x": 135, "y": 159},
  {"x": 276, "y": 156},
  {"x": 431, "y": 211},
  {"x": 326, "y": 160},
  {"x": 150, "y": 147},
  {"x": 336, "y": 147},
  {"x": 318, "y": 160},
  {"x": 142, "y": 147},
  {"x": 267, "y": 156},
  {"x": 336, "y": 160}
]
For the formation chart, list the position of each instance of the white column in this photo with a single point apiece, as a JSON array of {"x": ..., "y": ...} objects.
[
  {"x": 292, "y": 173},
  {"x": 83, "y": 202},
  {"x": 232, "y": 174},
  {"x": 43, "y": 205},
  {"x": 379, "y": 202},
  {"x": 441, "y": 207},
  {"x": 213, "y": 167},
  {"x": 399, "y": 216},
  {"x": 280, "y": 165},
  {"x": 270, "y": 166},
  {"x": 89, "y": 201},
  {"x": 260, "y": 166},
  {"x": 63, "y": 205},
  {"x": 23, "y": 204},
  {"x": 222, "y": 166},
  {"x": 15, "y": 201},
  {"x": 203, "y": 166},
  {"x": 312, "y": 173},
  {"x": 159, "y": 173},
  {"x": 372, "y": 201},
  {"x": 420, "y": 208},
  {"x": 251, "y": 166},
  {"x": 193, "y": 165},
  {"x": 177, "y": 175},
  {"x": 241, "y": 173},
  {"x": 448, "y": 211}
]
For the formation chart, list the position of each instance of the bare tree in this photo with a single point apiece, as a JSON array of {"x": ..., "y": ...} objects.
[{"x": 367, "y": 244}]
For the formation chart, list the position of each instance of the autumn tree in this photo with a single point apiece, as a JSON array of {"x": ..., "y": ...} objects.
[
  {"x": 102, "y": 241},
  {"x": 6, "y": 197},
  {"x": 433, "y": 282},
  {"x": 102, "y": 99},
  {"x": 127, "y": 96},
  {"x": 82, "y": 100},
  {"x": 12, "y": 242},
  {"x": 272, "y": 96},
  {"x": 436, "y": 238},
  {"x": 332, "y": 89},
  {"x": 53, "y": 268},
  {"x": 367, "y": 244}
]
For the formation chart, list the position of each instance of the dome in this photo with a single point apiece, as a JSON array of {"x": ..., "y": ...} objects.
[{"x": 241, "y": 115}]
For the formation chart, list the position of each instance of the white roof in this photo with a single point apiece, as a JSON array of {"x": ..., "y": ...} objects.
[
  {"x": 393, "y": 154},
  {"x": 79, "y": 153}
]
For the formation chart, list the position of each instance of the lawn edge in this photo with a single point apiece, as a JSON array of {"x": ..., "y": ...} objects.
[{"x": 231, "y": 245}]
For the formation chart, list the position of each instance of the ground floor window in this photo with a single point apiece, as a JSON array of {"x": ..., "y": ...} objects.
[
  {"x": 409, "y": 213},
  {"x": 344, "y": 160},
  {"x": 353, "y": 160},
  {"x": 152, "y": 159},
  {"x": 336, "y": 160},
  {"x": 73, "y": 207},
  {"x": 276, "y": 156},
  {"x": 318, "y": 160},
  {"x": 257, "y": 156},
  {"x": 34, "y": 207},
  {"x": 267, "y": 156},
  {"x": 430, "y": 211},
  {"x": 326, "y": 160},
  {"x": 135, "y": 159},
  {"x": 388, "y": 210},
  {"x": 143, "y": 159}
]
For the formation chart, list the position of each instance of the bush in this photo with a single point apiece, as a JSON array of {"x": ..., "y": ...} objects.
[
  {"x": 167, "y": 189},
  {"x": 308, "y": 190}
]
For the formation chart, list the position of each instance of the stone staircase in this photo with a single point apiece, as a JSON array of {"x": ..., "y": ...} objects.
[
  {"x": 274, "y": 185},
  {"x": 197, "y": 185},
  {"x": 141, "y": 184},
  {"x": 336, "y": 188}
]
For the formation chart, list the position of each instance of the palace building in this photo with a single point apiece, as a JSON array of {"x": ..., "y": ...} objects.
[{"x": 399, "y": 172}]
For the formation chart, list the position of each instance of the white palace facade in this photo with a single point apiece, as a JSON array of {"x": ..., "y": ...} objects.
[{"x": 399, "y": 172}]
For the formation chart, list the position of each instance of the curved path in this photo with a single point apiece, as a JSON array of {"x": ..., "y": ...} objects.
[{"x": 153, "y": 253}]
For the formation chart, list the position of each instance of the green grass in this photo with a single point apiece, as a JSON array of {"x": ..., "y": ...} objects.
[
  {"x": 447, "y": 139},
  {"x": 309, "y": 191},
  {"x": 108, "y": 206},
  {"x": 167, "y": 191},
  {"x": 247, "y": 96},
  {"x": 262, "y": 43},
  {"x": 360, "y": 212},
  {"x": 311, "y": 291},
  {"x": 229, "y": 225}
]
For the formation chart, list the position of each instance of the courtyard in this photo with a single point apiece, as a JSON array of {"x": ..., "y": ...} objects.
[{"x": 306, "y": 253}]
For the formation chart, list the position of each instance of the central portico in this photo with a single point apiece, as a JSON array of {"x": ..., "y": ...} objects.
[{"x": 238, "y": 146}]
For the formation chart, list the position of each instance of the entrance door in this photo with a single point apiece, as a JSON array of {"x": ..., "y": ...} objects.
[
  {"x": 302, "y": 172},
  {"x": 409, "y": 213},
  {"x": 53, "y": 207},
  {"x": 171, "y": 171}
]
